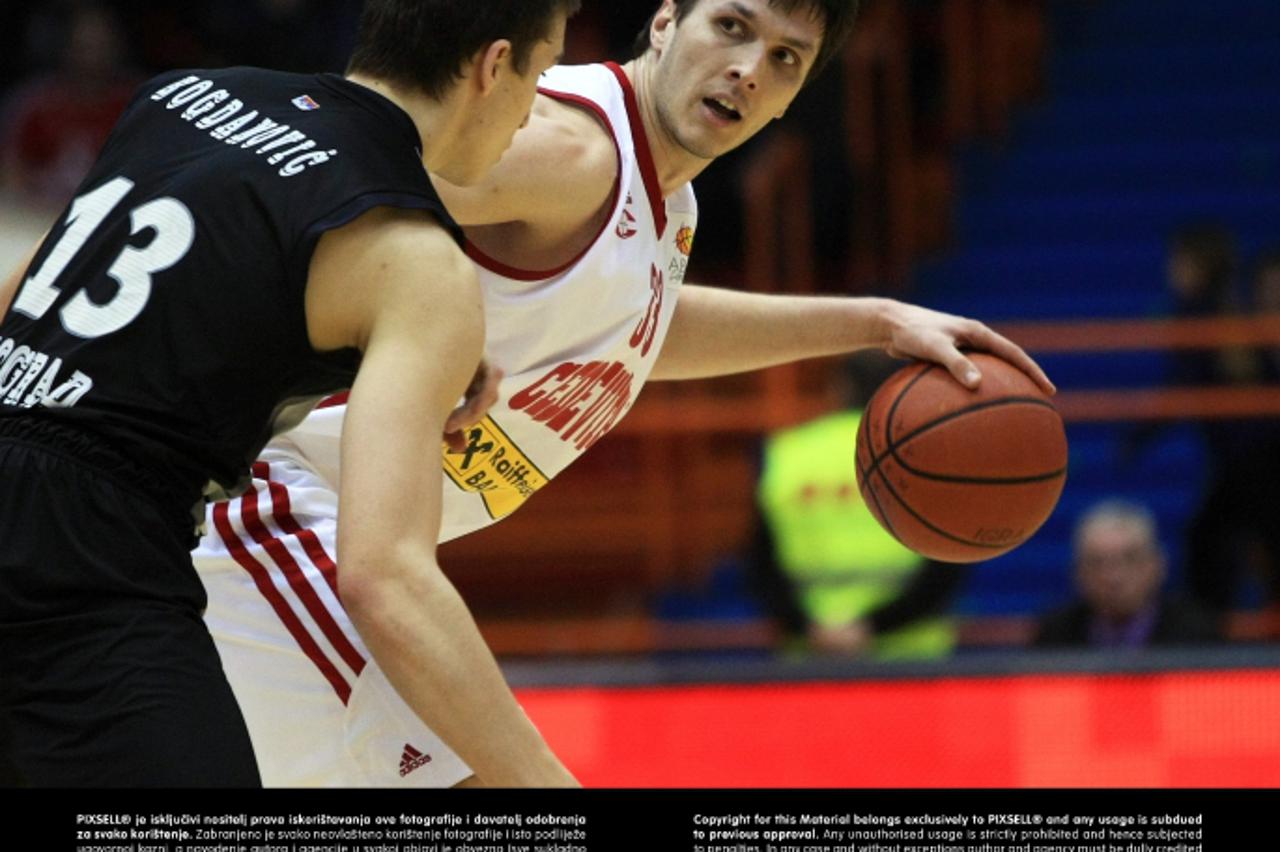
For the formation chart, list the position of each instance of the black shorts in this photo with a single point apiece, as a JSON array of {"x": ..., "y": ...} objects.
[{"x": 108, "y": 676}]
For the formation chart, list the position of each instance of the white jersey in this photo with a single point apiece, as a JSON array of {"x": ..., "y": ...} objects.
[{"x": 576, "y": 343}]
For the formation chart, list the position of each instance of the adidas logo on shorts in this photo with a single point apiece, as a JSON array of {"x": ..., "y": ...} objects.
[{"x": 412, "y": 759}]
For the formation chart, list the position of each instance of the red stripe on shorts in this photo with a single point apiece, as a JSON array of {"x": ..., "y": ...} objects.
[
  {"x": 282, "y": 511},
  {"x": 292, "y": 623},
  {"x": 297, "y": 579}
]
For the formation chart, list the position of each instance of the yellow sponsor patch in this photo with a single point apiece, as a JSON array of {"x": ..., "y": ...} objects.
[{"x": 493, "y": 467}]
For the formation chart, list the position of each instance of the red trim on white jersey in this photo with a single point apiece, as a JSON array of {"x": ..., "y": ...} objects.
[
  {"x": 517, "y": 274},
  {"x": 262, "y": 579},
  {"x": 644, "y": 155}
]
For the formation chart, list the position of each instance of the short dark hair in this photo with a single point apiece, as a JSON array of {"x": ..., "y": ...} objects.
[
  {"x": 424, "y": 44},
  {"x": 837, "y": 22}
]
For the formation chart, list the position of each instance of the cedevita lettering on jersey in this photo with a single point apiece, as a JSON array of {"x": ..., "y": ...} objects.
[
  {"x": 578, "y": 400},
  {"x": 230, "y": 121}
]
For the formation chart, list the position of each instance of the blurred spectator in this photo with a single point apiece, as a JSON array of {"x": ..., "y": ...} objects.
[
  {"x": 1201, "y": 266},
  {"x": 1119, "y": 571},
  {"x": 1201, "y": 272},
  {"x": 1234, "y": 535},
  {"x": 53, "y": 124},
  {"x": 822, "y": 565}
]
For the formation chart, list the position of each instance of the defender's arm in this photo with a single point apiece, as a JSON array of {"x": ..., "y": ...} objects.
[{"x": 417, "y": 317}]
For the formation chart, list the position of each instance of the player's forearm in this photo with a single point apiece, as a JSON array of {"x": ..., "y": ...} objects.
[
  {"x": 715, "y": 332},
  {"x": 422, "y": 635}
]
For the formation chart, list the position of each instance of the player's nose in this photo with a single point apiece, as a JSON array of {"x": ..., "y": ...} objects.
[{"x": 745, "y": 69}]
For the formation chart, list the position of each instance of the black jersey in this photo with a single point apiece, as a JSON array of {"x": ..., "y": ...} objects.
[{"x": 164, "y": 314}]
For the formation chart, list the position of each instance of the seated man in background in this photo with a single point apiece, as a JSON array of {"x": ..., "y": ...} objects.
[
  {"x": 1120, "y": 568},
  {"x": 834, "y": 580}
]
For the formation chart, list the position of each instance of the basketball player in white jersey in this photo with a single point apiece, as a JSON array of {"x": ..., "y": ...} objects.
[{"x": 581, "y": 236}]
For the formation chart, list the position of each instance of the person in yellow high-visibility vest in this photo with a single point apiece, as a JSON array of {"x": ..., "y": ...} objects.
[{"x": 822, "y": 565}]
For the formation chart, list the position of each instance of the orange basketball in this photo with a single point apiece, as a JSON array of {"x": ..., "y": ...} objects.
[{"x": 960, "y": 475}]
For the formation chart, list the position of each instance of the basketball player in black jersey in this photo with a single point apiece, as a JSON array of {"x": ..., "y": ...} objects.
[{"x": 247, "y": 241}]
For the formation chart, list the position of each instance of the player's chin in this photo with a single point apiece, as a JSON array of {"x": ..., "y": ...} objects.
[
  {"x": 708, "y": 146},
  {"x": 726, "y": 139}
]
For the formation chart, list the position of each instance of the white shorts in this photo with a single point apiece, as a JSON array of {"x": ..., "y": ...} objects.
[{"x": 320, "y": 712}]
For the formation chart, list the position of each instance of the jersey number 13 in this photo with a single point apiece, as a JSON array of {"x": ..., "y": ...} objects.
[{"x": 132, "y": 269}]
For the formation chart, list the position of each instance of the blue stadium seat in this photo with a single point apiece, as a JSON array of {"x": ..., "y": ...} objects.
[{"x": 1160, "y": 113}]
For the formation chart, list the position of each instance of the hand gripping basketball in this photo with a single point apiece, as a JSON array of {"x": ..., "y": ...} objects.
[{"x": 961, "y": 475}]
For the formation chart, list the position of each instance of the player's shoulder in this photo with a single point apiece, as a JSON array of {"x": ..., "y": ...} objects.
[
  {"x": 563, "y": 132},
  {"x": 385, "y": 245},
  {"x": 404, "y": 261},
  {"x": 584, "y": 105},
  {"x": 572, "y": 122},
  {"x": 386, "y": 232}
]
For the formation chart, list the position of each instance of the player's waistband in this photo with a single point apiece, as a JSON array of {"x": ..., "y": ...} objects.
[{"x": 176, "y": 504}]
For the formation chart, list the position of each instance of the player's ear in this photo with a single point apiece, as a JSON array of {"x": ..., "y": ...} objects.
[
  {"x": 492, "y": 63},
  {"x": 661, "y": 26}
]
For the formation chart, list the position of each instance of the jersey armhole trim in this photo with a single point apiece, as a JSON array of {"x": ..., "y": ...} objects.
[
  {"x": 356, "y": 207},
  {"x": 644, "y": 156}
]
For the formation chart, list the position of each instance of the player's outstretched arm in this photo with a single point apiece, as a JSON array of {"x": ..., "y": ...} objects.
[
  {"x": 416, "y": 314},
  {"x": 716, "y": 332}
]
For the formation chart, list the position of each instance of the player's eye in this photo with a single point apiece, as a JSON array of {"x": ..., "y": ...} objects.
[
  {"x": 786, "y": 57},
  {"x": 731, "y": 26}
]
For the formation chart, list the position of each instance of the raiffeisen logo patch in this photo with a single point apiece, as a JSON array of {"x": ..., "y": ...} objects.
[{"x": 492, "y": 466}]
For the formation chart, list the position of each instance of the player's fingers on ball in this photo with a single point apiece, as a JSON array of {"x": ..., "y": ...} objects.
[
  {"x": 1028, "y": 365},
  {"x": 964, "y": 370},
  {"x": 998, "y": 344},
  {"x": 1017, "y": 356}
]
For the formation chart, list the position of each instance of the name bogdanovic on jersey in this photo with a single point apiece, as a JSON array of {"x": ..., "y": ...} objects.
[{"x": 224, "y": 121}]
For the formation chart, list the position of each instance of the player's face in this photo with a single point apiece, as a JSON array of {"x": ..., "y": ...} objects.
[
  {"x": 506, "y": 109},
  {"x": 728, "y": 68}
]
